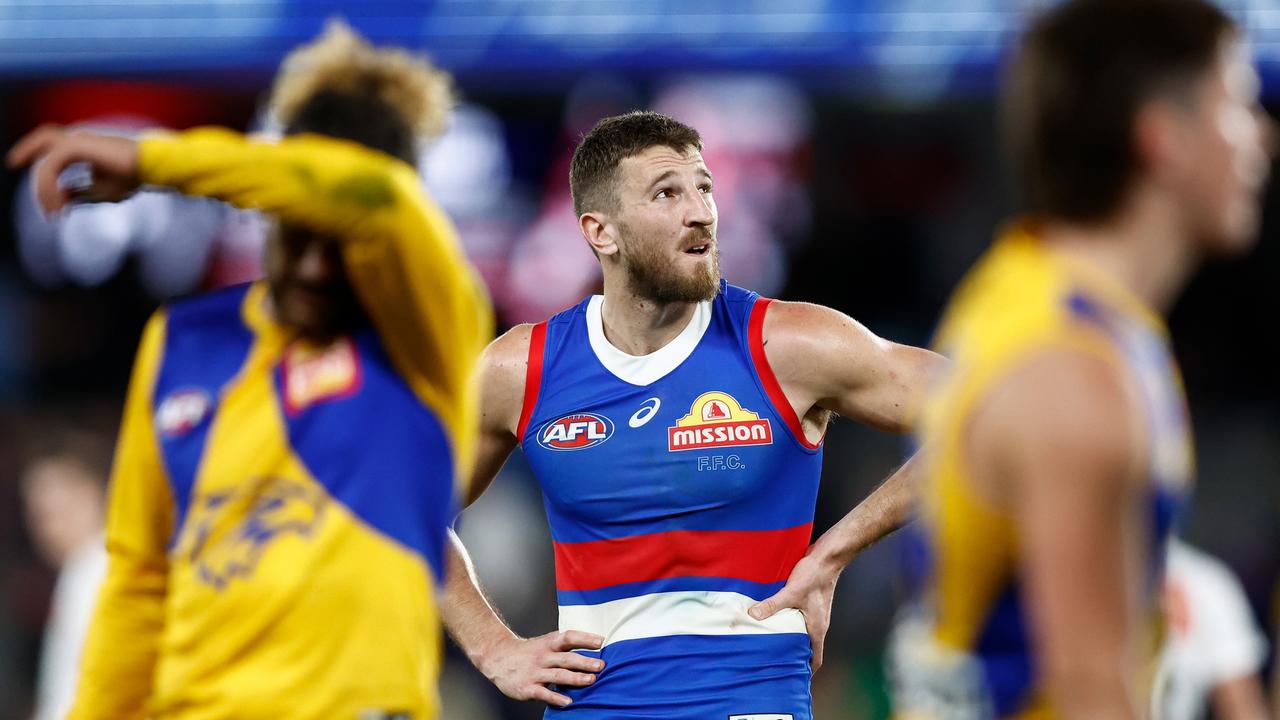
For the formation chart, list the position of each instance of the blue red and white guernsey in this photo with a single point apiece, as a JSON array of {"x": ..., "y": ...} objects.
[{"x": 680, "y": 490}]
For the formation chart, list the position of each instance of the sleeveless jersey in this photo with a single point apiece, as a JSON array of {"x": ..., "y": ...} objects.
[
  {"x": 968, "y": 654},
  {"x": 680, "y": 489}
]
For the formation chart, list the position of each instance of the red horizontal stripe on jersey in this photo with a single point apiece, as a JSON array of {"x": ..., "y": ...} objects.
[{"x": 761, "y": 556}]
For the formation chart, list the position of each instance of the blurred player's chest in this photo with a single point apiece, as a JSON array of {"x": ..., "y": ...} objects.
[
  {"x": 278, "y": 402},
  {"x": 287, "y": 430}
]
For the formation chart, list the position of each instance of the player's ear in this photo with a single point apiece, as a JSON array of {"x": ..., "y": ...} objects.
[
  {"x": 1158, "y": 137},
  {"x": 601, "y": 234}
]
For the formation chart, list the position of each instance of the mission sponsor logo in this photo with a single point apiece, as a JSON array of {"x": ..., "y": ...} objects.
[
  {"x": 578, "y": 431},
  {"x": 718, "y": 420}
]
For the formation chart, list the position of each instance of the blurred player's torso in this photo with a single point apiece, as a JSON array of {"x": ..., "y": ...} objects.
[
  {"x": 311, "y": 488},
  {"x": 680, "y": 490},
  {"x": 969, "y": 655}
]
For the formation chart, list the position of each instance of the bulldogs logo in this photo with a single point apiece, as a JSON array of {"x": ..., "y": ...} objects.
[
  {"x": 578, "y": 431},
  {"x": 229, "y": 531}
]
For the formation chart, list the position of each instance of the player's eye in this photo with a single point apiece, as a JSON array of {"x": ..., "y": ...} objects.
[
  {"x": 706, "y": 189},
  {"x": 663, "y": 193}
]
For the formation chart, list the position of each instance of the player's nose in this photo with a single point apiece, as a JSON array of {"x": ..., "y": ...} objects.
[{"x": 700, "y": 210}]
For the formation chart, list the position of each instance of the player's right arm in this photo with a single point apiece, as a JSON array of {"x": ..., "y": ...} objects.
[
  {"x": 1059, "y": 444},
  {"x": 119, "y": 656},
  {"x": 399, "y": 249},
  {"x": 521, "y": 668}
]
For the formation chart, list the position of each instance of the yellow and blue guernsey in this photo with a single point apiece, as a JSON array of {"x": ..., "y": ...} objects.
[
  {"x": 967, "y": 654},
  {"x": 277, "y": 508}
]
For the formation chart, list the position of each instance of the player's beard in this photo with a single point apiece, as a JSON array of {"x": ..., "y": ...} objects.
[{"x": 653, "y": 276}]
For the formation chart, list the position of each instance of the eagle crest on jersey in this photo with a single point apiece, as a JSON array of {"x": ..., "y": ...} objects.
[{"x": 270, "y": 508}]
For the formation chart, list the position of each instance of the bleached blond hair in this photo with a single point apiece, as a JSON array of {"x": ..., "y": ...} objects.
[{"x": 340, "y": 61}]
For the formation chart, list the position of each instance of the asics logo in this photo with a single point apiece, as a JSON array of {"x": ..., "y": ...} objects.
[{"x": 645, "y": 413}]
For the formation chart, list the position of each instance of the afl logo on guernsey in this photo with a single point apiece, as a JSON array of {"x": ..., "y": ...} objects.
[
  {"x": 181, "y": 411},
  {"x": 578, "y": 431},
  {"x": 718, "y": 420}
]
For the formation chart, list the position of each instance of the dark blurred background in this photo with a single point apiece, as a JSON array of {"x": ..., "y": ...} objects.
[{"x": 857, "y": 159}]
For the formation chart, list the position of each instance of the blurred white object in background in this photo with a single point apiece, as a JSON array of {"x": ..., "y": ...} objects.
[
  {"x": 1212, "y": 638},
  {"x": 172, "y": 236},
  {"x": 64, "y": 504}
]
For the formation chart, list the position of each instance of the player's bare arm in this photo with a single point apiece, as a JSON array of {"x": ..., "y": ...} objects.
[
  {"x": 1059, "y": 444},
  {"x": 521, "y": 668},
  {"x": 829, "y": 363},
  {"x": 1240, "y": 698}
]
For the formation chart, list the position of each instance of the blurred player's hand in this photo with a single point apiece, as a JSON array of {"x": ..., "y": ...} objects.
[
  {"x": 811, "y": 589},
  {"x": 112, "y": 162},
  {"x": 523, "y": 668}
]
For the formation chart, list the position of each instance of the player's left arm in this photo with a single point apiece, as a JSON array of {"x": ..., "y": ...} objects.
[{"x": 827, "y": 362}]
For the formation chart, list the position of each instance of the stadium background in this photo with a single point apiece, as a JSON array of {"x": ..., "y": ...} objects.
[{"x": 856, "y": 151}]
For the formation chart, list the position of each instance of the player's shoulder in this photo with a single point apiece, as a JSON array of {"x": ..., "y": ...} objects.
[
  {"x": 206, "y": 309},
  {"x": 801, "y": 317},
  {"x": 802, "y": 332},
  {"x": 504, "y": 363},
  {"x": 509, "y": 350},
  {"x": 1067, "y": 401}
]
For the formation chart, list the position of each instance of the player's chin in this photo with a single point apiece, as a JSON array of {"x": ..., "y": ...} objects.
[
  {"x": 704, "y": 283},
  {"x": 1236, "y": 234}
]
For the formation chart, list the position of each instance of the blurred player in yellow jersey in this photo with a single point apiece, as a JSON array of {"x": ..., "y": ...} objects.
[
  {"x": 285, "y": 471},
  {"x": 1057, "y": 446}
]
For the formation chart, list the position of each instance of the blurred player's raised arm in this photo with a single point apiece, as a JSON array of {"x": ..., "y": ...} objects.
[
  {"x": 401, "y": 252},
  {"x": 120, "y": 653}
]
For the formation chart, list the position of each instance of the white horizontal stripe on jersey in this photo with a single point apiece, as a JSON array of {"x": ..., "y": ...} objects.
[{"x": 690, "y": 612}]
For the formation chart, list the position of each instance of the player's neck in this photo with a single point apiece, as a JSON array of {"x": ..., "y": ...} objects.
[
  {"x": 639, "y": 326},
  {"x": 1144, "y": 248}
]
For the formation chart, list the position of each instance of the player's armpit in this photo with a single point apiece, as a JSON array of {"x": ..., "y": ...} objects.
[
  {"x": 826, "y": 359},
  {"x": 1058, "y": 443},
  {"x": 119, "y": 657}
]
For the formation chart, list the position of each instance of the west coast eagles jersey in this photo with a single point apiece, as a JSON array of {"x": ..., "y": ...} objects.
[
  {"x": 278, "y": 509},
  {"x": 967, "y": 654},
  {"x": 680, "y": 489}
]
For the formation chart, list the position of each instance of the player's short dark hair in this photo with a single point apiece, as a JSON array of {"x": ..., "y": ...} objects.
[
  {"x": 593, "y": 171},
  {"x": 1083, "y": 72},
  {"x": 364, "y": 119}
]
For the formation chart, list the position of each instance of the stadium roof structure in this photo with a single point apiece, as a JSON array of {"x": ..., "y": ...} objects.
[{"x": 914, "y": 47}]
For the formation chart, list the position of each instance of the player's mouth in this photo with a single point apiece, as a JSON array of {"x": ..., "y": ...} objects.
[{"x": 699, "y": 249}]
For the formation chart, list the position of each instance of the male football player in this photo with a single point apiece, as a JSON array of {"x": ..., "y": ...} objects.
[
  {"x": 1057, "y": 449},
  {"x": 675, "y": 424}
]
